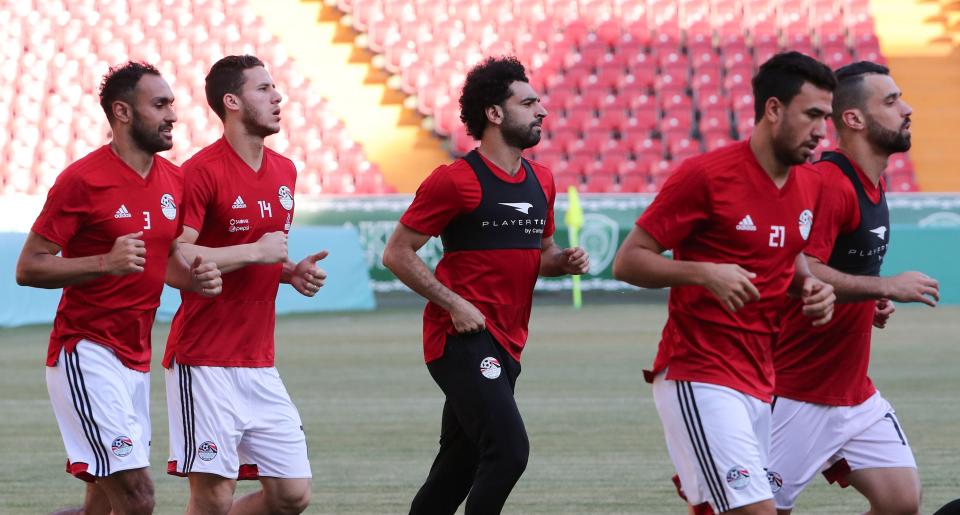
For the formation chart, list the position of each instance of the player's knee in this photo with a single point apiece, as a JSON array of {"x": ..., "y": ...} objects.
[
  {"x": 134, "y": 492},
  {"x": 290, "y": 501},
  {"x": 213, "y": 498},
  {"x": 900, "y": 506},
  {"x": 142, "y": 504},
  {"x": 138, "y": 500},
  {"x": 513, "y": 458},
  {"x": 896, "y": 501}
]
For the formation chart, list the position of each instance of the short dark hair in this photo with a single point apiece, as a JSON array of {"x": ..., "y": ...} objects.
[
  {"x": 849, "y": 92},
  {"x": 783, "y": 75},
  {"x": 226, "y": 76},
  {"x": 488, "y": 84},
  {"x": 120, "y": 82}
]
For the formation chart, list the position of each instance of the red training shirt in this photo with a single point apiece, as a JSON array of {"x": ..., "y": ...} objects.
[
  {"x": 828, "y": 364},
  {"x": 498, "y": 282},
  {"x": 228, "y": 203},
  {"x": 93, "y": 202},
  {"x": 722, "y": 207}
]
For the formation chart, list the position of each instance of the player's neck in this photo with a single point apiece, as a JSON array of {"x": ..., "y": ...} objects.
[
  {"x": 134, "y": 157},
  {"x": 762, "y": 147},
  {"x": 872, "y": 161},
  {"x": 247, "y": 146},
  {"x": 506, "y": 158}
]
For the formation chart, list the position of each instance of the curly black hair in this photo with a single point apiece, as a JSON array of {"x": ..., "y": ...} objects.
[
  {"x": 120, "y": 82},
  {"x": 488, "y": 83},
  {"x": 783, "y": 75}
]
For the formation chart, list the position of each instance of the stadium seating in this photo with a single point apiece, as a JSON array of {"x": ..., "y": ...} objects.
[
  {"x": 670, "y": 76},
  {"x": 54, "y": 53}
]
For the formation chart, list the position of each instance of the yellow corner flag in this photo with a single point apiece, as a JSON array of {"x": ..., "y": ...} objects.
[{"x": 574, "y": 220}]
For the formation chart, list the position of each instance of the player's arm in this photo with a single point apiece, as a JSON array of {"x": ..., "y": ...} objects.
[
  {"x": 904, "y": 287},
  {"x": 196, "y": 276},
  {"x": 556, "y": 261},
  {"x": 400, "y": 256},
  {"x": 41, "y": 266},
  {"x": 270, "y": 248},
  {"x": 640, "y": 262},
  {"x": 305, "y": 277}
]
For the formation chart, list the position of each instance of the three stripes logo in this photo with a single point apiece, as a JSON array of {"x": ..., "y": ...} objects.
[
  {"x": 122, "y": 212},
  {"x": 239, "y": 203},
  {"x": 746, "y": 224}
]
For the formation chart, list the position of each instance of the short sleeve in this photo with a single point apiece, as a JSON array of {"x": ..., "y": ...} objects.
[
  {"x": 64, "y": 211},
  {"x": 681, "y": 206},
  {"x": 550, "y": 192},
  {"x": 837, "y": 213},
  {"x": 437, "y": 202},
  {"x": 198, "y": 190}
]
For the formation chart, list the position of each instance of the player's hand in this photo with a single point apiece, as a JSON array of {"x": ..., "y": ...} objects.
[
  {"x": 467, "y": 318},
  {"x": 575, "y": 260},
  {"x": 913, "y": 287},
  {"x": 731, "y": 284},
  {"x": 307, "y": 277},
  {"x": 127, "y": 255},
  {"x": 884, "y": 310},
  {"x": 206, "y": 277},
  {"x": 273, "y": 247},
  {"x": 818, "y": 300}
]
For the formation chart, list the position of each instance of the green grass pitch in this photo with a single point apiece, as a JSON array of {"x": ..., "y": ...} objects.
[{"x": 372, "y": 413}]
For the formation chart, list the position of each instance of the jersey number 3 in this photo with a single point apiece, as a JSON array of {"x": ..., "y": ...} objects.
[{"x": 777, "y": 235}]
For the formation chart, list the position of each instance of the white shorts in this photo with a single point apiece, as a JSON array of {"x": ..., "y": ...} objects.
[
  {"x": 718, "y": 439},
  {"x": 809, "y": 438},
  {"x": 234, "y": 422},
  {"x": 103, "y": 410}
]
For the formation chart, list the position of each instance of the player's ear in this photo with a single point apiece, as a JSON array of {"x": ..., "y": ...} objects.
[
  {"x": 495, "y": 114},
  {"x": 773, "y": 109},
  {"x": 122, "y": 111},
  {"x": 854, "y": 119},
  {"x": 231, "y": 102}
]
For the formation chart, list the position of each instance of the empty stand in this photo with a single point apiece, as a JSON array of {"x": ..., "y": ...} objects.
[
  {"x": 54, "y": 53},
  {"x": 653, "y": 81}
]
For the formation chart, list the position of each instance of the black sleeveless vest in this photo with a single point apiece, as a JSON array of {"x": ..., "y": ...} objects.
[
  {"x": 510, "y": 215},
  {"x": 861, "y": 252}
]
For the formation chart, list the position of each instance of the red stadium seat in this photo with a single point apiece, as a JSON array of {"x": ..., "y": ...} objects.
[
  {"x": 599, "y": 183},
  {"x": 562, "y": 181}
]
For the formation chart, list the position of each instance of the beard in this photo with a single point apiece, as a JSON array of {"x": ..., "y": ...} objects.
[
  {"x": 887, "y": 140},
  {"x": 149, "y": 139},
  {"x": 787, "y": 154},
  {"x": 253, "y": 126},
  {"x": 519, "y": 136}
]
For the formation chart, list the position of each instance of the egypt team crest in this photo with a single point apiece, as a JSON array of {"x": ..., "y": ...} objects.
[
  {"x": 738, "y": 477},
  {"x": 286, "y": 197},
  {"x": 122, "y": 446},
  {"x": 490, "y": 368},
  {"x": 776, "y": 482},
  {"x": 207, "y": 451},
  {"x": 806, "y": 222},
  {"x": 168, "y": 206}
]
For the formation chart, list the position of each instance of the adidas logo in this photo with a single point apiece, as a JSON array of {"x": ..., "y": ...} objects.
[
  {"x": 239, "y": 204},
  {"x": 122, "y": 212},
  {"x": 746, "y": 224}
]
